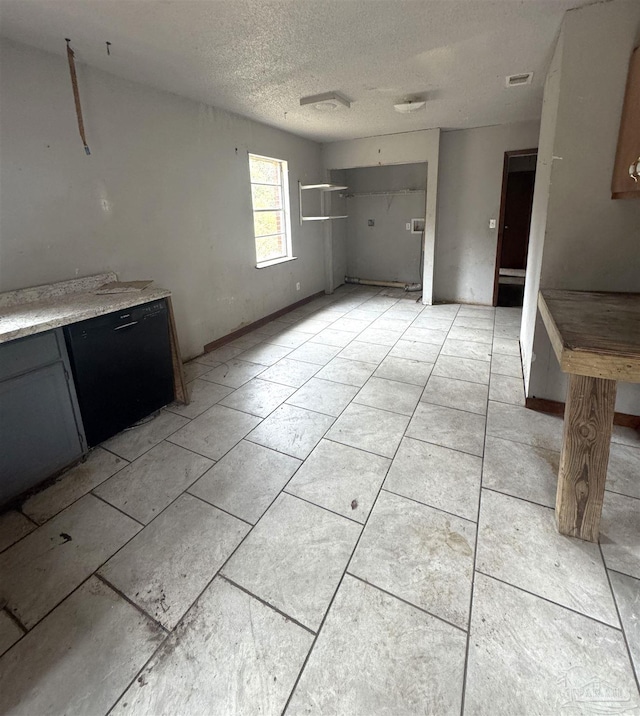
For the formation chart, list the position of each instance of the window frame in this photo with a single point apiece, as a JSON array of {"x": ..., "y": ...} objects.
[{"x": 286, "y": 210}]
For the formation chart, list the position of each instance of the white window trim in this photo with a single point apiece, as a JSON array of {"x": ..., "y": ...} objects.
[
  {"x": 273, "y": 262},
  {"x": 286, "y": 206}
]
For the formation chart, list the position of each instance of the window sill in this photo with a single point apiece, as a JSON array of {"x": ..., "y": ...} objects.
[{"x": 264, "y": 264}]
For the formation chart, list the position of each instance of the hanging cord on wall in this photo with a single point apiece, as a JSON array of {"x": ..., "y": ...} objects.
[{"x": 76, "y": 95}]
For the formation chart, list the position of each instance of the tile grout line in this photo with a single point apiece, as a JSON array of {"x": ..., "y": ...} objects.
[
  {"x": 406, "y": 601},
  {"x": 288, "y": 617},
  {"x": 622, "y": 626},
  {"x": 549, "y": 601},
  {"x": 426, "y": 504},
  {"x": 519, "y": 407},
  {"x": 24, "y": 514},
  {"x": 462, "y": 410},
  {"x": 428, "y": 442},
  {"x": 624, "y": 574},
  {"x": 465, "y": 672},
  {"x": 73, "y": 502},
  {"x": 17, "y": 622},
  {"x": 130, "y": 601},
  {"x": 27, "y": 630},
  {"x": 173, "y": 432},
  {"x": 314, "y": 504},
  {"x": 210, "y": 504},
  {"x": 106, "y": 502},
  {"x": 122, "y": 546},
  {"x": 517, "y": 497}
]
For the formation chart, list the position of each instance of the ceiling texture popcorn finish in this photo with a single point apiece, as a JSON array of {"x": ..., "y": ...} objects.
[{"x": 257, "y": 58}]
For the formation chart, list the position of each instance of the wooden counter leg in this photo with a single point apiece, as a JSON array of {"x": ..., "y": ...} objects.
[
  {"x": 179, "y": 385},
  {"x": 588, "y": 421}
]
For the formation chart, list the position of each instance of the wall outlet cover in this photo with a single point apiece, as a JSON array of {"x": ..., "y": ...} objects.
[
  {"x": 417, "y": 226},
  {"x": 298, "y": 286}
]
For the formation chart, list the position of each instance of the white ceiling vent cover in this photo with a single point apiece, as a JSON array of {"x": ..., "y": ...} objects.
[
  {"x": 524, "y": 78},
  {"x": 327, "y": 102}
]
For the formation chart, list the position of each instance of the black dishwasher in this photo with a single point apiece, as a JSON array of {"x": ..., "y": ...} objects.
[{"x": 122, "y": 367}]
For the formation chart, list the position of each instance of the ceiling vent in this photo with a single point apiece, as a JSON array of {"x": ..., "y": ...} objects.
[
  {"x": 524, "y": 78},
  {"x": 327, "y": 102}
]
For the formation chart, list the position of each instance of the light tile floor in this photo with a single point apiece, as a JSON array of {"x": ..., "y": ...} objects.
[{"x": 353, "y": 516}]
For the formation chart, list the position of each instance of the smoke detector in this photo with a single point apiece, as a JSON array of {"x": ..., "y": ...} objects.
[
  {"x": 326, "y": 102},
  {"x": 524, "y": 78},
  {"x": 409, "y": 106}
]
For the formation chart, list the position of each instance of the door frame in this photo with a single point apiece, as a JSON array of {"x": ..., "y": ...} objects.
[{"x": 503, "y": 197}]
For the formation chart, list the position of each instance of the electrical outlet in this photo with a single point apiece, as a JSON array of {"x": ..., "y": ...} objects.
[
  {"x": 298, "y": 286},
  {"x": 407, "y": 226}
]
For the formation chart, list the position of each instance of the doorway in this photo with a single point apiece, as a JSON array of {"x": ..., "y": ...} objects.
[{"x": 518, "y": 181}]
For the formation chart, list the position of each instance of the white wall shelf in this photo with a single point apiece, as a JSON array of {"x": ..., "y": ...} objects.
[
  {"x": 392, "y": 192},
  {"x": 322, "y": 188},
  {"x": 322, "y": 218}
]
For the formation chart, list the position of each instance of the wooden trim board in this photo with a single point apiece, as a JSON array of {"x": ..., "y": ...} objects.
[
  {"x": 179, "y": 385},
  {"x": 260, "y": 322},
  {"x": 556, "y": 407}
]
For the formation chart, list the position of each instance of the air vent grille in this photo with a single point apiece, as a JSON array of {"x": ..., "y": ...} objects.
[{"x": 524, "y": 78}]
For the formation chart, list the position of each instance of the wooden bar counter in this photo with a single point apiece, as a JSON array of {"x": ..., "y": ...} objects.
[{"x": 596, "y": 339}]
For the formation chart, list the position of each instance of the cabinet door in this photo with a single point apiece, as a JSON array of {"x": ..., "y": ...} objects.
[
  {"x": 623, "y": 186},
  {"x": 38, "y": 430}
]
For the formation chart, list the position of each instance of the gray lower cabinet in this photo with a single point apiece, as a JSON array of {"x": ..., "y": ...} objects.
[{"x": 40, "y": 426}]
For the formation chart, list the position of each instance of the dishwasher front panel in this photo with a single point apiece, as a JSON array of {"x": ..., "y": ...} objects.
[{"x": 122, "y": 367}]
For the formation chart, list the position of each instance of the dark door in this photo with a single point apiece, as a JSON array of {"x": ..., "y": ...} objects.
[{"x": 517, "y": 219}]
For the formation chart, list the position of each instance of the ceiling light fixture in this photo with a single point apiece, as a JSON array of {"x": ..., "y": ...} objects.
[
  {"x": 410, "y": 106},
  {"x": 326, "y": 102}
]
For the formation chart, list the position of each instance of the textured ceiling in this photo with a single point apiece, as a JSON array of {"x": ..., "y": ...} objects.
[{"x": 259, "y": 57}]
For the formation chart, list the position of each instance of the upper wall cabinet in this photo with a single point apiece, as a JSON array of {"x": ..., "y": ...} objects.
[{"x": 626, "y": 173}]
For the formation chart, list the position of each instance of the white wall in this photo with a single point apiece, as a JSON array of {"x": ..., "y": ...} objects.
[
  {"x": 164, "y": 195},
  {"x": 590, "y": 241},
  {"x": 471, "y": 165},
  {"x": 385, "y": 251},
  {"x": 404, "y": 148},
  {"x": 540, "y": 206}
]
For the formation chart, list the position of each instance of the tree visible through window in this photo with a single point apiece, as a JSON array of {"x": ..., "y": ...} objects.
[{"x": 270, "y": 197}]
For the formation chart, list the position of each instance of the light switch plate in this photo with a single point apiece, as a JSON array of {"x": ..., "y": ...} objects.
[{"x": 492, "y": 223}]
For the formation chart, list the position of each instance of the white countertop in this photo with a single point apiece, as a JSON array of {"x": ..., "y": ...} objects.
[{"x": 35, "y": 316}]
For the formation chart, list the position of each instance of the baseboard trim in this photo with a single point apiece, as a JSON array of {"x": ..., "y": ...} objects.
[
  {"x": 260, "y": 322},
  {"x": 556, "y": 407}
]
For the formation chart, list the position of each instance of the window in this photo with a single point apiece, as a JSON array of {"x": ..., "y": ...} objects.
[{"x": 270, "y": 197}]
